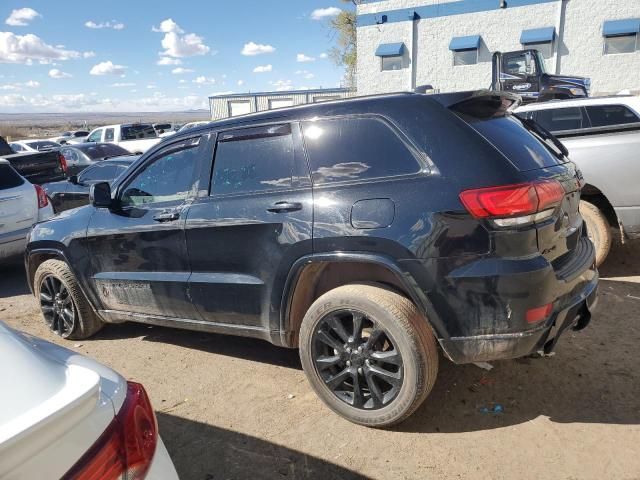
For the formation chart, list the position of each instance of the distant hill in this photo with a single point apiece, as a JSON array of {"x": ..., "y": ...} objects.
[{"x": 18, "y": 125}]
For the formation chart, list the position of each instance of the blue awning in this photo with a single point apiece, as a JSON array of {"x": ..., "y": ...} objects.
[
  {"x": 390, "y": 49},
  {"x": 614, "y": 28},
  {"x": 538, "y": 35},
  {"x": 471, "y": 42}
]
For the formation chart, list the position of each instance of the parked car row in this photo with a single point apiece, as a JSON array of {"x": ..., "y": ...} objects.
[{"x": 370, "y": 233}]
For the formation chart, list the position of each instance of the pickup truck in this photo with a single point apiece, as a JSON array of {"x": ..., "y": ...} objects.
[
  {"x": 37, "y": 167},
  {"x": 602, "y": 136},
  {"x": 137, "y": 138}
]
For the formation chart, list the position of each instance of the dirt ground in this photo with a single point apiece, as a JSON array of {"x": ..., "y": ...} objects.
[{"x": 233, "y": 408}]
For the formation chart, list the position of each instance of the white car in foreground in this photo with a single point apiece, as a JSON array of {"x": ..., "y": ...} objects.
[
  {"x": 21, "y": 205},
  {"x": 63, "y": 415}
]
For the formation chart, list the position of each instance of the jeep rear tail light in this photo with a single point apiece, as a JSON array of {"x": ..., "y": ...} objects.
[
  {"x": 43, "y": 201},
  {"x": 537, "y": 314},
  {"x": 513, "y": 205},
  {"x": 63, "y": 162},
  {"x": 126, "y": 448}
]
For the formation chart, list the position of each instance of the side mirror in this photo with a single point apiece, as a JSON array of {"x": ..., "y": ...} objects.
[
  {"x": 100, "y": 195},
  {"x": 73, "y": 179}
]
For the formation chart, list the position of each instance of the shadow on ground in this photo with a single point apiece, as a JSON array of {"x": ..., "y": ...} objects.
[
  {"x": 223, "y": 454},
  {"x": 13, "y": 280}
]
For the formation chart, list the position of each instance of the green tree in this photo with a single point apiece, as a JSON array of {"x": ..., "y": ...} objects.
[{"x": 345, "y": 53}]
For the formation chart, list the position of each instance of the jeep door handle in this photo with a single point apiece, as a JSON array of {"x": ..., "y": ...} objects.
[
  {"x": 282, "y": 207},
  {"x": 168, "y": 216}
]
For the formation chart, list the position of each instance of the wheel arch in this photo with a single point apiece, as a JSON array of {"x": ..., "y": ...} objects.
[
  {"x": 592, "y": 194},
  {"x": 314, "y": 275}
]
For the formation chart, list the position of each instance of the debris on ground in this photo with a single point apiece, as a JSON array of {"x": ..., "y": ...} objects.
[
  {"x": 291, "y": 396},
  {"x": 495, "y": 409},
  {"x": 484, "y": 365}
]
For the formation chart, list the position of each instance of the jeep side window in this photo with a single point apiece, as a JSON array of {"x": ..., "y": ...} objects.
[
  {"x": 253, "y": 159},
  {"x": 610, "y": 115},
  {"x": 561, "y": 119},
  {"x": 345, "y": 149},
  {"x": 167, "y": 178},
  {"x": 98, "y": 173}
]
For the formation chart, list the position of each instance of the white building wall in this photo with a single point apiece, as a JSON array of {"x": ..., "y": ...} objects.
[{"x": 578, "y": 49}]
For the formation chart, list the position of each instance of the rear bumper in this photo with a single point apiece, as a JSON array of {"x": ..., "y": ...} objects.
[{"x": 576, "y": 315}]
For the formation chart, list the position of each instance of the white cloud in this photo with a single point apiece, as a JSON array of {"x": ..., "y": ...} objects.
[
  {"x": 168, "y": 61},
  {"x": 324, "y": 55},
  {"x": 240, "y": 83},
  {"x": 20, "y": 86},
  {"x": 263, "y": 68},
  {"x": 252, "y": 49},
  {"x": 152, "y": 87},
  {"x": 182, "y": 80},
  {"x": 282, "y": 85},
  {"x": 115, "y": 25},
  {"x": 108, "y": 68},
  {"x": 21, "y": 17},
  {"x": 202, "y": 80},
  {"x": 58, "y": 74},
  {"x": 89, "y": 54},
  {"x": 302, "y": 58},
  {"x": 167, "y": 26},
  {"x": 32, "y": 84},
  {"x": 181, "y": 71},
  {"x": 29, "y": 48},
  {"x": 321, "y": 13},
  {"x": 305, "y": 74},
  {"x": 176, "y": 44},
  {"x": 123, "y": 84}
]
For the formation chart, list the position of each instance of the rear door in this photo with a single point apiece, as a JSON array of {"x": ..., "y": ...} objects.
[
  {"x": 18, "y": 203},
  {"x": 138, "y": 250},
  {"x": 245, "y": 231}
]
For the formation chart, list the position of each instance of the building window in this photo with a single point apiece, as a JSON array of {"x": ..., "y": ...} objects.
[
  {"x": 465, "y": 50},
  {"x": 546, "y": 48},
  {"x": 391, "y": 63},
  {"x": 391, "y": 56},
  {"x": 620, "y": 44},
  {"x": 465, "y": 57},
  {"x": 540, "y": 39},
  {"x": 241, "y": 107},
  {"x": 621, "y": 36},
  {"x": 280, "y": 103}
]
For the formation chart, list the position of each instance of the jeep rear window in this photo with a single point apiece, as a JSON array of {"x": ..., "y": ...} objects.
[
  {"x": 9, "y": 178},
  {"x": 346, "y": 149},
  {"x": 514, "y": 141}
]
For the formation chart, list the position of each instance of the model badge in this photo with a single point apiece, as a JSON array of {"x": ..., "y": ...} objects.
[{"x": 522, "y": 86}]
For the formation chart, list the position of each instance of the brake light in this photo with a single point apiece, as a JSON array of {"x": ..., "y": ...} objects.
[
  {"x": 63, "y": 162},
  {"x": 537, "y": 314},
  {"x": 125, "y": 450},
  {"x": 43, "y": 201},
  {"x": 524, "y": 199}
]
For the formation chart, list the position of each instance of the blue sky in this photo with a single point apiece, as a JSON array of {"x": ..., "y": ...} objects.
[{"x": 139, "y": 55}]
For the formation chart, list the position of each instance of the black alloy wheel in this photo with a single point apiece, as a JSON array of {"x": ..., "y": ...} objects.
[
  {"x": 57, "y": 306},
  {"x": 357, "y": 359}
]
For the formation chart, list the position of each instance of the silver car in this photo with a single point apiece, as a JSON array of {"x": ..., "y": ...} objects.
[{"x": 603, "y": 139}]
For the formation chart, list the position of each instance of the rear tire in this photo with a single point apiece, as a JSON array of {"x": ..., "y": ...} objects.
[
  {"x": 387, "y": 379},
  {"x": 65, "y": 309},
  {"x": 598, "y": 229}
]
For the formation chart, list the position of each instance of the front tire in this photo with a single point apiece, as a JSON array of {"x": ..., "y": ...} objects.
[
  {"x": 598, "y": 229},
  {"x": 65, "y": 309},
  {"x": 368, "y": 354}
]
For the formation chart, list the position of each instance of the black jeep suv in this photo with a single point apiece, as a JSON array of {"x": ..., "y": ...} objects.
[{"x": 369, "y": 233}]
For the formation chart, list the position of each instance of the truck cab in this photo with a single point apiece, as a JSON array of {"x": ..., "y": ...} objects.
[{"x": 523, "y": 72}]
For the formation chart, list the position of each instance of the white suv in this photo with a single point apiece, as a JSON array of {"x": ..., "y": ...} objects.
[{"x": 21, "y": 205}]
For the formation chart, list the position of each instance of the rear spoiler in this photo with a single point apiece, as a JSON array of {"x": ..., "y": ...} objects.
[{"x": 479, "y": 103}]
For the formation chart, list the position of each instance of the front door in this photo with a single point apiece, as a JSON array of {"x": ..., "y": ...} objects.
[
  {"x": 138, "y": 251},
  {"x": 255, "y": 221},
  {"x": 520, "y": 74}
]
